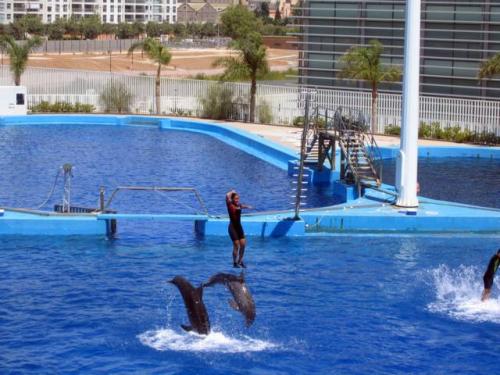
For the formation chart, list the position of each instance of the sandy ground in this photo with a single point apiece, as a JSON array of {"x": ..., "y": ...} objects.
[{"x": 185, "y": 63}]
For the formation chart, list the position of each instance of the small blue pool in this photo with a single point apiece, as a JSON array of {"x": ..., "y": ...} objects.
[{"x": 325, "y": 304}]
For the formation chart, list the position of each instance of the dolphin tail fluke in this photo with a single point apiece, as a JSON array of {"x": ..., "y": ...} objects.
[
  {"x": 186, "y": 328},
  {"x": 233, "y": 304},
  {"x": 215, "y": 279}
]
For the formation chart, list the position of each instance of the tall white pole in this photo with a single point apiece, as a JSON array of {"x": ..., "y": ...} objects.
[{"x": 406, "y": 173}]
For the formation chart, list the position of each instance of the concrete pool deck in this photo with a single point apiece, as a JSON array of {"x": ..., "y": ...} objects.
[
  {"x": 373, "y": 213},
  {"x": 289, "y": 136}
]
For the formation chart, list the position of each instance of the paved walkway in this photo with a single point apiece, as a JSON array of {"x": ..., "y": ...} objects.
[{"x": 290, "y": 136}]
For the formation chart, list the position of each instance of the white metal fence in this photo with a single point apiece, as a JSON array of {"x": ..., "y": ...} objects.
[{"x": 182, "y": 96}]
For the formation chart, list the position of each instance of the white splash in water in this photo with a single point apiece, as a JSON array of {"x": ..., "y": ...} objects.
[
  {"x": 167, "y": 339},
  {"x": 458, "y": 294}
]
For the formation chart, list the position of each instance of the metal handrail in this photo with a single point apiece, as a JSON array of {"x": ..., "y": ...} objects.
[
  {"x": 156, "y": 188},
  {"x": 346, "y": 125}
]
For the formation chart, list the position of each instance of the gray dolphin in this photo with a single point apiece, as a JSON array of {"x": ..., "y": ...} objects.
[
  {"x": 243, "y": 301},
  {"x": 193, "y": 300}
]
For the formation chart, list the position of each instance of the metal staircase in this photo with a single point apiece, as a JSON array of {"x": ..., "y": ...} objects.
[{"x": 360, "y": 155}]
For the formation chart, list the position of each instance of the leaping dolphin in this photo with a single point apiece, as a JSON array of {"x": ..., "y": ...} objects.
[
  {"x": 193, "y": 300},
  {"x": 243, "y": 301}
]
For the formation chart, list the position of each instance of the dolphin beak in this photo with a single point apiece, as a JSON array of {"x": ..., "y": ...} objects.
[{"x": 170, "y": 281}]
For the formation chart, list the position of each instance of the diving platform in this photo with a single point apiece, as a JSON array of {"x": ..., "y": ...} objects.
[{"x": 155, "y": 217}]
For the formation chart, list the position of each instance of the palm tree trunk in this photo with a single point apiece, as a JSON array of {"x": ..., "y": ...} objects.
[
  {"x": 158, "y": 91},
  {"x": 253, "y": 91},
  {"x": 17, "y": 80},
  {"x": 374, "y": 127}
]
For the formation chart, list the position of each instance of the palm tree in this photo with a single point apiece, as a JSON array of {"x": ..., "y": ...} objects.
[
  {"x": 160, "y": 55},
  {"x": 364, "y": 63},
  {"x": 250, "y": 62},
  {"x": 490, "y": 68},
  {"x": 18, "y": 54}
]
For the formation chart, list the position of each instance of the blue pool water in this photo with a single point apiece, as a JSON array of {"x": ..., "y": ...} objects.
[
  {"x": 465, "y": 180},
  {"x": 338, "y": 304},
  {"x": 114, "y": 156}
]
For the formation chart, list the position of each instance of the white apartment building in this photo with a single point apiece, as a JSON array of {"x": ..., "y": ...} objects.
[{"x": 110, "y": 11}]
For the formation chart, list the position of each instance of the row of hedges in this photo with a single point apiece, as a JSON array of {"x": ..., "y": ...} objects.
[
  {"x": 450, "y": 133},
  {"x": 62, "y": 107},
  {"x": 218, "y": 103}
]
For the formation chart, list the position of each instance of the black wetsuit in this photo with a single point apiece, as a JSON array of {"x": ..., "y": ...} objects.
[
  {"x": 490, "y": 271},
  {"x": 234, "y": 229}
]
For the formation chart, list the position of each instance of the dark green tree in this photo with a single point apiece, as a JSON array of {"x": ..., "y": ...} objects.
[
  {"x": 73, "y": 27},
  {"x": 124, "y": 30},
  {"x": 160, "y": 55},
  {"x": 490, "y": 67},
  {"x": 180, "y": 30},
  {"x": 91, "y": 26},
  {"x": 208, "y": 30},
  {"x": 237, "y": 21},
  {"x": 138, "y": 29},
  {"x": 250, "y": 62},
  {"x": 56, "y": 30},
  {"x": 108, "y": 28},
  {"x": 17, "y": 30},
  {"x": 364, "y": 63},
  {"x": 153, "y": 29},
  {"x": 18, "y": 54},
  {"x": 32, "y": 24},
  {"x": 167, "y": 28}
]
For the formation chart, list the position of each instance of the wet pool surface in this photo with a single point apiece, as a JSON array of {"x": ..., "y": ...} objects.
[{"x": 334, "y": 304}]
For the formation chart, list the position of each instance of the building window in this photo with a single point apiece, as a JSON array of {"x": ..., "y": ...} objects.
[{"x": 20, "y": 99}]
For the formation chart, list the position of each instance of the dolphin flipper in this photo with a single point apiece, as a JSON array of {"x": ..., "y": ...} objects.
[
  {"x": 233, "y": 304},
  {"x": 186, "y": 328}
]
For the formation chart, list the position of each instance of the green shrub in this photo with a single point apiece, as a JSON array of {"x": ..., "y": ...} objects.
[
  {"x": 298, "y": 121},
  {"x": 217, "y": 103},
  {"x": 181, "y": 112},
  {"x": 449, "y": 133},
  {"x": 115, "y": 97},
  {"x": 488, "y": 139},
  {"x": 392, "y": 130},
  {"x": 62, "y": 107},
  {"x": 319, "y": 121},
  {"x": 265, "y": 112}
]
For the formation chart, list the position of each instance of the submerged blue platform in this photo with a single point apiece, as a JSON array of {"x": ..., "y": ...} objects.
[{"x": 373, "y": 213}]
